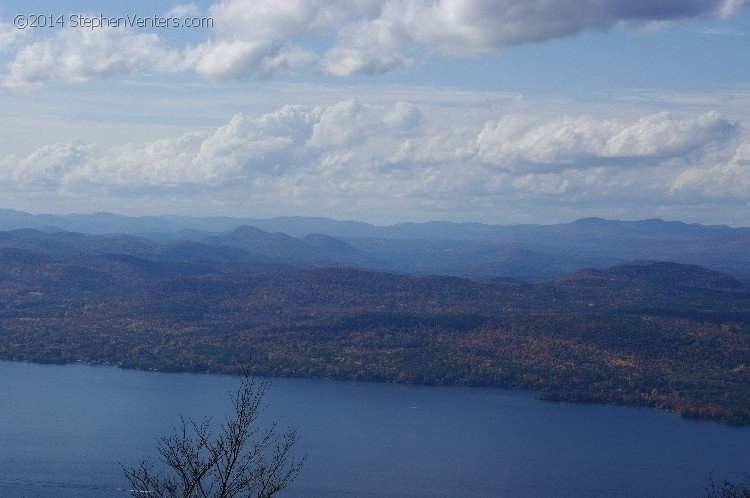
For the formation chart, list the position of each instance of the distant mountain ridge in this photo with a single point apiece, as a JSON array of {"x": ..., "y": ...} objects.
[
  {"x": 299, "y": 226},
  {"x": 525, "y": 252}
]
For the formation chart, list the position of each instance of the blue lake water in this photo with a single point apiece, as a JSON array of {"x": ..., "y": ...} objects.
[{"x": 64, "y": 430}]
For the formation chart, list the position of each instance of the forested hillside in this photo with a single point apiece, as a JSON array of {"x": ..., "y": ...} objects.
[{"x": 664, "y": 335}]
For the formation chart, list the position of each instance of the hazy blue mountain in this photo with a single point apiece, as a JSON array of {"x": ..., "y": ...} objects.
[
  {"x": 101, "y": 223},
  {"x": 107, "y": 223},
  {"x": 60, "y": 242},
  {"x": 529, "y": 252},
  {"x": 340, "y": 251}
]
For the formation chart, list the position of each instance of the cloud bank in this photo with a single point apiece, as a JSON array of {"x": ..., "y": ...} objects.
[
  {"x": 363, "y": 157},
  {"x": 260, "y": 38}
]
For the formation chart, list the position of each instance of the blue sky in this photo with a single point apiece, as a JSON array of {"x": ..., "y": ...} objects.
[{"x": 501, "y": 111}]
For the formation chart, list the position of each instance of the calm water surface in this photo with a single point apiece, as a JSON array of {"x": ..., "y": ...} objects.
[{"x": 65, "y": 429}]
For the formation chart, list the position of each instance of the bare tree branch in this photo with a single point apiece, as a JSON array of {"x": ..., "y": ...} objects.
[{"x": 240, "y": 459}]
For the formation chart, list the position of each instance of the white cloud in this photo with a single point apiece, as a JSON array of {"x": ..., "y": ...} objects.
[
  {"x": 461, "y": 27},
  {"x": 260, "y": 38},
  {"x": 10, "y": 36},
  {"x": 662, "y": 136},
  {"x": 728, "y": 181},
  {"x": 274, "y": 147},
  {"x": 345, "y": 124},
  {"x": 371, "y": 47},
  {"x": 269, "y": 145},
  {"x": 234, "y": 153},
  {"x": 164, "y": 162},
  {"x": 386, "y": 160},
  {"x": 184, "y": 10},
  {"x": 255, "y": 37},
  {"x": 404, "y": 116},
  {"x": 78, "y": 55},
  {"x": 519, "y": 143},
  {"x": 241, "y": 59},
  {"x": 47, "y": 166}
]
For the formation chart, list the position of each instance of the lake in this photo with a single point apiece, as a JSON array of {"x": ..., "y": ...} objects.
[{"x": 64, "y": 430}]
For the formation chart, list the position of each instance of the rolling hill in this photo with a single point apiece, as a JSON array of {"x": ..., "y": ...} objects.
[{"x": 664, "y": 335}]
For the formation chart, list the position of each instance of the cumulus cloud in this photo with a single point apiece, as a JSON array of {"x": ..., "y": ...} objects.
[
  {"x": 519, "y": 143},
  {"x": 78, "y": 55},
  {"x": 404, "y": 116},
  {"x": 243, "y": 148},
  {"x": 355, "y": 155},
  {"x": 47, "y": 166},
  {"x": 730, "y": 180},
  {"x": 260, "y": 38},
  {"x": 460, "y": 27},
  {"x": 346, "y": 124},
  {"x": 271, "y": 147},
  {"x": 241, "y": 59},
  {"x": 255, "y": 37},
  {"x": 369, "y": 47}
]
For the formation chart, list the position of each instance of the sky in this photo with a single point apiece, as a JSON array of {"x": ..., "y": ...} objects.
[{"x": 384, "y": 111}]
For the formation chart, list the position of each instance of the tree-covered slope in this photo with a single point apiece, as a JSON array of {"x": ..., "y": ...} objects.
[{"x": 670, "y": 336}]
